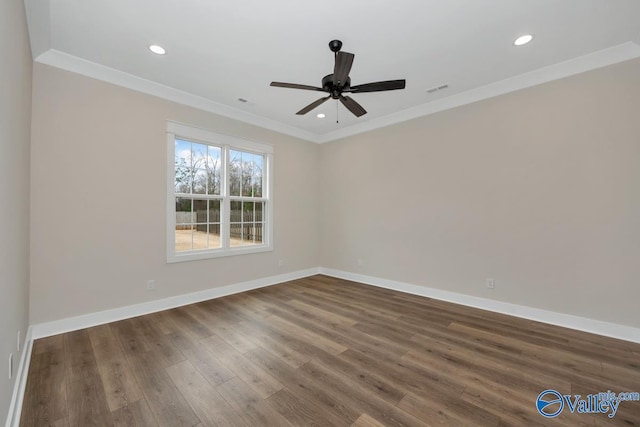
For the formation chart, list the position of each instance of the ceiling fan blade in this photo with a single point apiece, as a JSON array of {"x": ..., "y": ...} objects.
[
  {"x": 344, "y": 60},
  {"x": 296, "y": 86},
  {"x": 378, "y": 86},
  {"x": 313, "y": 105},
  {"x": 353, "y": 106}
]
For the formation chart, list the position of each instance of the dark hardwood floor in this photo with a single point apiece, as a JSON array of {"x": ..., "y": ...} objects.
[{"x": 324, "y": 352}]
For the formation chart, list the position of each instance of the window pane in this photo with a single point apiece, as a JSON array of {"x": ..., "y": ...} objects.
[
  {"x": 236, "y": 211},
  {"x": 214, "y": 170},
  {"x": 200, "y": 236},
  {"x": 214, "y": 236},
  {"x": 247, "y": 174},
  {"x": 235, "y": 227},
  {"x": 259, "y": 215},
  {"x": 200, "y": 211},
  {"x": 183, "y": 237},
  {"x": 198, "y": 156},
  {"x": 183, "y": 211},
  {"x": 257, "y": 175},
  {"x": 235, "y": 172},
  {"x": 184, "y": 218},
  {"x": 247, "y": 212},
  {"x": 200, "y": 229},
  {"x": 199, "y": 181},
  {"x": 258, "y": 228},
  {"x": 182, "y": 182},
  {"x": 251, "y": 234},
  {"x": 214, "y": 211}
]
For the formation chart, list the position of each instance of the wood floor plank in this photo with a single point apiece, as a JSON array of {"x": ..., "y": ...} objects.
[
  {"x": 366, "y": 421},
  {"x": 306, "y": 335},
  {"x": 321, "y": 315},
  {"x": 45, "y": 400},
  {"x": 50, "y": 344},
  {"x": 255, "y": 377},
  {"x": 244, "y": 307},
  {"x": 461, "y": 363},
  {"x": 136, "y": 414},
  {"x": 209, "y": 366},
  {"x": 88, "y": 402},
  {"x": 372, "y": 383},
  {"x": 344, "y": 335},
  {"x": 221, "y": 310},
  {"x": 355, "y": 396},
  {"x": 323, "y": 351},
  {"x": 81, "y": 361},
  {"x": 293, "y": 351},
  {"x": 298, "y": 384},
  {"x": 182, "y": 317},
  {"x": 448, "y": 412},
  {"x": 163, "y": 321},
  {"x": 225, "y": 330},
  {"x": 299, "y": 411},
  {"x": 166, "y": 352},
  {"x": 130, "y": 340},
  {"x": 206, "y": 402},
  {"x": 167, "y": 404},
  {"x": 249, "y": 405},
  {"x": 114, "y": 370}
]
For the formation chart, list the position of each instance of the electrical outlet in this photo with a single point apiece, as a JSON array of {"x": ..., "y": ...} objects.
[
  {"x": 280, "y": 262},
  {"x": 10, "y": 365},
  {"x": 360, "y": 262},
  {"x": 151, "y": 285},
  {"x": 491, "y": 284},
  {"x": 18, "y": 342}
]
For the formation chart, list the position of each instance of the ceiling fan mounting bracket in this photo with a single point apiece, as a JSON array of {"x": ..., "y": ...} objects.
[{"x": 335, "y": 46}]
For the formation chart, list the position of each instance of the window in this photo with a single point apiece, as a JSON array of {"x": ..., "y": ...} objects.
[{"x": 219, "y": 195}]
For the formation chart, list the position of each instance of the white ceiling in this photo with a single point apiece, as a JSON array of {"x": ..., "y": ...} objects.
[{"x": 219, "y": 51}]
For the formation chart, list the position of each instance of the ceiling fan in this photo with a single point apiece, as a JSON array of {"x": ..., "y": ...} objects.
[{"x": 339, "y": 82}]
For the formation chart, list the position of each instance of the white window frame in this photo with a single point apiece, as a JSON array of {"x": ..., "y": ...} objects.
[{"x": 227, "y": 143}]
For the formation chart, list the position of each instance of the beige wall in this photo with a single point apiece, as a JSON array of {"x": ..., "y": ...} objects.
[
  {"x": 538, "y": 189},
  {"x": 15, "y": 122},
  {"x": 99, "y": 196}
]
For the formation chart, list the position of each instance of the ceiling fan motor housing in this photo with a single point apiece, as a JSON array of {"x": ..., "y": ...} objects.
[{"x": 335, "y": 91}]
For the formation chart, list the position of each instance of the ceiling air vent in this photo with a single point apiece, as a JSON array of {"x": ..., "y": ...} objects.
[{"x": 437, "y": 88}]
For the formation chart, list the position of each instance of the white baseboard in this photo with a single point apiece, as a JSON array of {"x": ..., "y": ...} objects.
[
  {"x": 613, "y": 330},
  {"x": 15, "y": 407},
  {"x": 56, "y": 327},
  {"x": 627, "y": 333}
]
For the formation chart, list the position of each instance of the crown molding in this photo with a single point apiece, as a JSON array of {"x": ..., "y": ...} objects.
[
  {"x": 39, "y": 23},
  {"x": 86, "y": 68},
  {"x": 602, "y": 58}
]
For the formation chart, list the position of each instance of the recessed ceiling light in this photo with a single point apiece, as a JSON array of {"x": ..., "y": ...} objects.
[
  {"x": 321, "y": 116},
  {"x": 523, "y": 40},
  {"x": 159, "y": 50}
]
